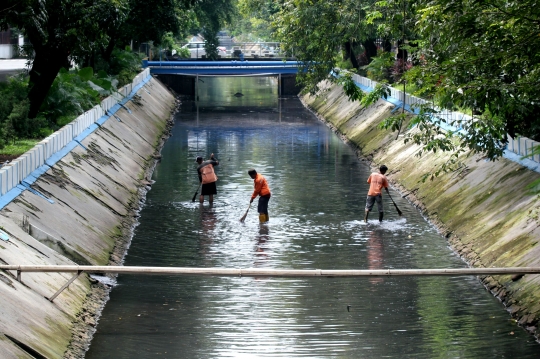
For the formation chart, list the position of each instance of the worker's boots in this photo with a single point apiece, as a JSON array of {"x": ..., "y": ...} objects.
[
  {"x": 366, "y": 216},
  {"x": 381, "y": 215},
  {"x": 263, "y": 218}
]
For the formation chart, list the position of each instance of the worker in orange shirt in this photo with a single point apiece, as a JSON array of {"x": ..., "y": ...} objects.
[
  {"x": 263, "y": 191},
  {"x": 377, "y": 181}
]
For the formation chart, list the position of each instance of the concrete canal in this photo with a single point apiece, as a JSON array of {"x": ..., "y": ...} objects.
[{"x": 318, "y": 194}]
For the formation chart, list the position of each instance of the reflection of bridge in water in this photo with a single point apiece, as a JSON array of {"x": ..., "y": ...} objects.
[{"x": 182, "y": 76}]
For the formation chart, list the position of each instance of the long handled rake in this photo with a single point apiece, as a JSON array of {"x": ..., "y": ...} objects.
[
  {"x": 395, "y": 205},
  {"x": 245, "y": 214},
  {"x": 195, "y": 195}
]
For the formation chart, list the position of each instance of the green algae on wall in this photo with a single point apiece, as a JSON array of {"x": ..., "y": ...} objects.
[
  {"x": 95, "y": 190},
  {"x": 484, "y": 209}
]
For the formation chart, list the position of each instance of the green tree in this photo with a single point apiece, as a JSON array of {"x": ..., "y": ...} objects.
[
  {"x": 476, "y": 55},
  {"x": 145, "y": 22},
  {"x": 212, "y": 16},
  {"x": 316, "y": 32},
  {"x": 151, "y": 20},
  {"x": 67, "y": 31},
  {"x": 486, "y": 57},
  {"x": 252, "y": 19},
  {"x": 56, "y": 29}
]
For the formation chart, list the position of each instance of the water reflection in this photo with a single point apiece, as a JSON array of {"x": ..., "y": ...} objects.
[
  {"x": 208, "y": 225},
  {"x": 318, "y": 197},
  {"x": 261, "y": 249},
  {"x": 375, "y": 254}
]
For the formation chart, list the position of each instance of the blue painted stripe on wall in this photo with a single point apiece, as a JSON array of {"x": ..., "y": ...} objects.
[
  {"x": 10, "y": 196},
  {"x": 52, "y": 160}
]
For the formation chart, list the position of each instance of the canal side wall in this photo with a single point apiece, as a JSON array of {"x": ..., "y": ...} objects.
[
  {"x": 80, "y": 208},
  {"x": 485, "y": 210}
]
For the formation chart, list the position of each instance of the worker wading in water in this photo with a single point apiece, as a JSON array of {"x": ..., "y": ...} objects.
[
  {"x": 377, "y": 181},
  {"x": 207, "y": 177},
  {"x": 263, "y": 191}
]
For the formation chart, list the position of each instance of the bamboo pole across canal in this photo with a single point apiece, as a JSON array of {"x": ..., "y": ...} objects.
[{"x": 259, "y": 272}]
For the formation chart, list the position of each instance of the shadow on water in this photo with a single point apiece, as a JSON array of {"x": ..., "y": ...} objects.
[{"x": 318, "y": 195}]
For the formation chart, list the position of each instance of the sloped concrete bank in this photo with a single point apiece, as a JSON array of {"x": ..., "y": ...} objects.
[
  {"x": 96, "y": 189},
  {"x": 485, "y": 209}
]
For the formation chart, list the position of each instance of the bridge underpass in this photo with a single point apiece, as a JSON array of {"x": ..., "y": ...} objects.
[{"x": 182, "y": 76}]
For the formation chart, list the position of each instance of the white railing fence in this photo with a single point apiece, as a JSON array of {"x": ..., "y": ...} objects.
[
  {"x": 521, "y": 146},
  {"x": 16, "y": 171}
]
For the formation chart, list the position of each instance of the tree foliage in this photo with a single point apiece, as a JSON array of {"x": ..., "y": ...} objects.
[
  {"x": 475, "y": 55},
  {"x": 14, "y": 108},
  {"x": 85, "y": 32},
  {"x": 71, "y": 94},
  {"x": 486, "y": 55},
  {"x": 252, "y": 19},
  {"x": 315, "y": 31},
  {"x": 57, "y": 30},
  {"x": 151, "y": 20},
  {"x": 212, "y": 16}
]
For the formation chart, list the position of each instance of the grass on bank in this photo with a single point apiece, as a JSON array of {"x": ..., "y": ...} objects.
[
  {"x": 72, "y": 93},
  {"x": 16, "y": 148}
]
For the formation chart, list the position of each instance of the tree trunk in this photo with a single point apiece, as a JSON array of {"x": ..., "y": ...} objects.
[
  {"x": 107, "y": 52},
  {"x": 386, "y": 45},
  {"x": 371, "y": 49},
  {"x": 349, "y": 54},
  {"x": 89, "y": 60},
  {"x": 401, "y": 54},
  {"x": 45, "y": 67}
]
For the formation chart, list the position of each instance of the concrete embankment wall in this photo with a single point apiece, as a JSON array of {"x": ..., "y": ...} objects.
[
  {"x": 96, "y": 190},
  {"x": 485, "y": 209}
]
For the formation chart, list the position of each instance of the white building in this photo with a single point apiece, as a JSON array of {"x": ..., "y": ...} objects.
[{"x": 7, "y": 42}]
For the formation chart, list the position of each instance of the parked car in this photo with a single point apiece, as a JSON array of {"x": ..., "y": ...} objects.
[
  {"x": 168, "y": 55},
  {"x": 197, "y": 50},
  {"x": 222, "y": 51}
]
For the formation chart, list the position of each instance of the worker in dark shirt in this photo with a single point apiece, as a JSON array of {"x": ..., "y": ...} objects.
[{"x": 207, "y": 177}]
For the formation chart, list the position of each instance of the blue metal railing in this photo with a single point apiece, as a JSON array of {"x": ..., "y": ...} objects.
[
  {"x": 232, "y": 63},
  {"x": 233, "y": 67}
]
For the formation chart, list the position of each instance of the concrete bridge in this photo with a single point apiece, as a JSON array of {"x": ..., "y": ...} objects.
[{"x": 181, "y": 76}]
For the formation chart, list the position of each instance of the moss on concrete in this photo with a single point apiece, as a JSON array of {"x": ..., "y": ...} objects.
[
  {"x": 484, "y": 209},
  {"x": 54, "y": 341},
  {"x": 96, "y": 190}
]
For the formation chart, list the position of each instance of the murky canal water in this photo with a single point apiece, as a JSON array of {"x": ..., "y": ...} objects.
[{"x": 318, "y": 194}]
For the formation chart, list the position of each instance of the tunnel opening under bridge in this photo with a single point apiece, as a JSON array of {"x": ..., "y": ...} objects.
[{"x": 185, "y": 85}]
